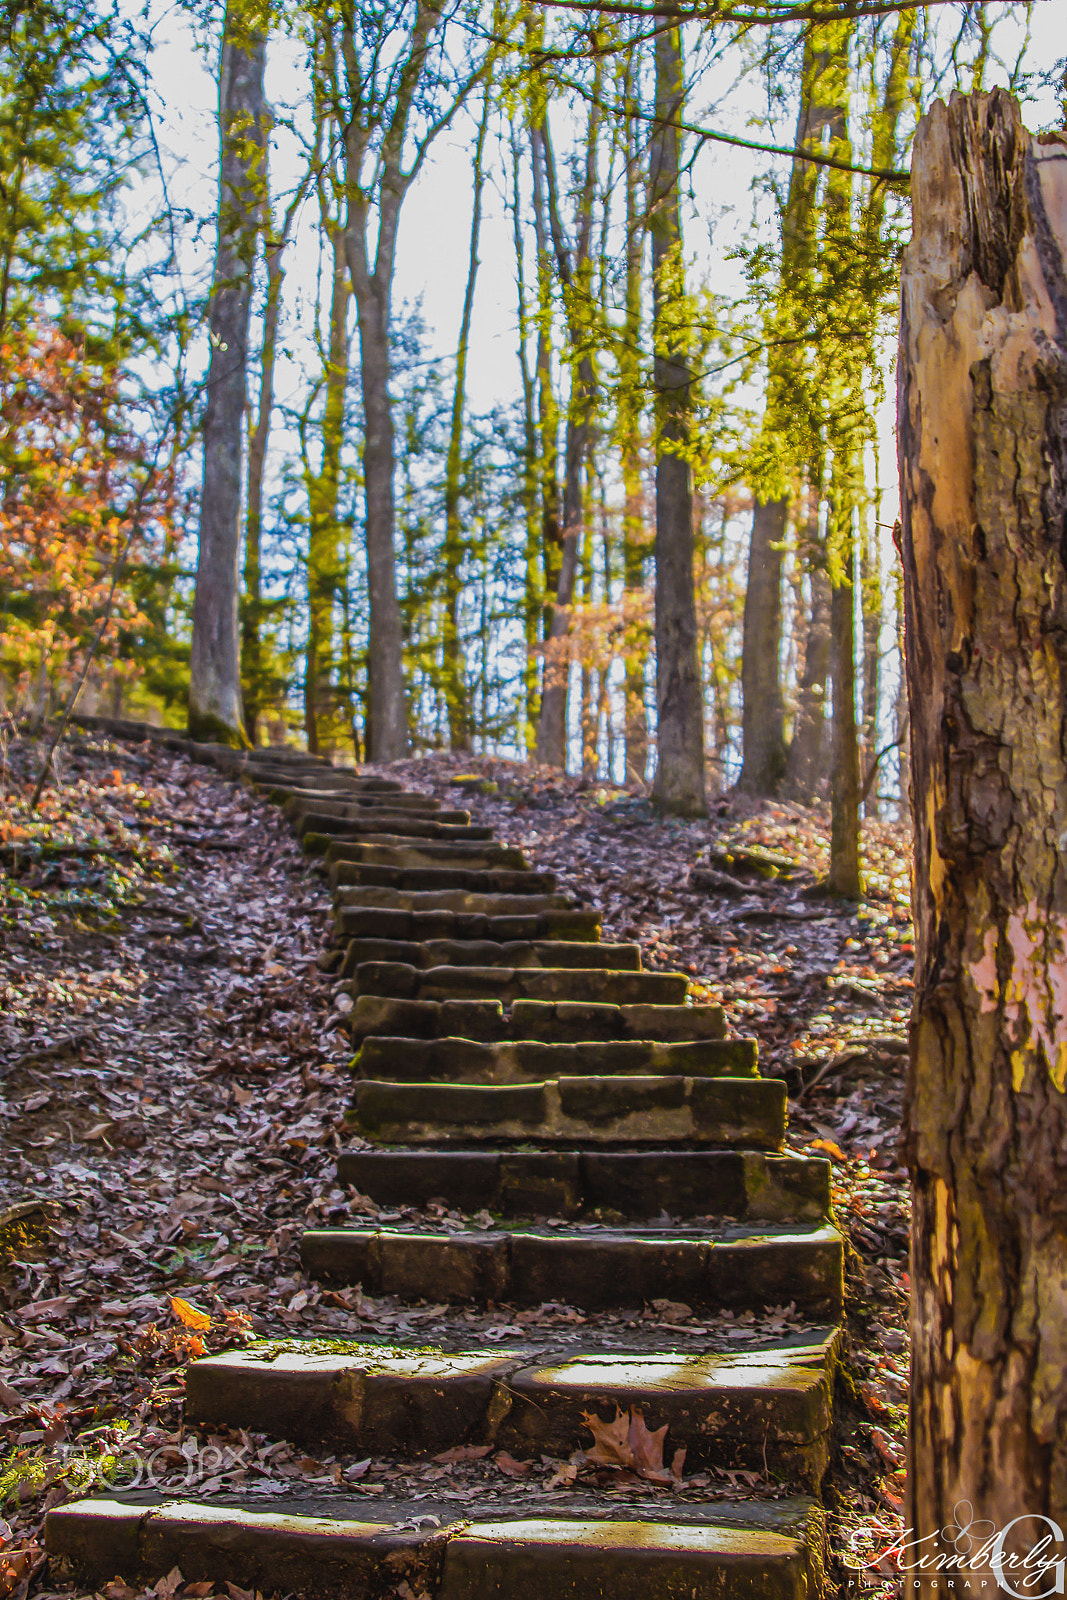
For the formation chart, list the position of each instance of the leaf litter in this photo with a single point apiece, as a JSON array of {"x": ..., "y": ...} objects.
[{"x": 173, "y": 1067}]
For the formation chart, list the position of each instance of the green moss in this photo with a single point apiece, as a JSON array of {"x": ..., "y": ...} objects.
[{"x": 206, "y": 728}]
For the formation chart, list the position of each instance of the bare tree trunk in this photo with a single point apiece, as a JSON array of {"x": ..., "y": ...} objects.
[
  {"x": 806, "y": 763},
  {"x": 983, "y": 465},
  {"x": 215, "y": 677},
  {"x": 679, "y": 785},
  {"x": 452, "y": 671},
  {"x": 871, "y": 606},
  {"x": 629, "y": 422},
  {"x": 844, "y": 875},
  {"x": 533, "y": 598},
  {"x": 763, "y": 709},
  {"x": 322, "y": 723},
  {"x": 574, "y": 269}
]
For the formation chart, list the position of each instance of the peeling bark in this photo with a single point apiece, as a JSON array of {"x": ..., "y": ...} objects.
[{"x": 983, "y": 457}]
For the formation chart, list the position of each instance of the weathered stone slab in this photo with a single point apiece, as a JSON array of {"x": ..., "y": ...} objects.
[
  {"x": 567, "y": 1021},
  {"x": 423, "y": 879},
  {"x": 391, "y": 850},
  {"x": 537, "y": 954},
  {"x": 455, "y": 900},
  {"x": 421, "y": 927},
  {"x": 744, "y": 1184},
  {"x": 655, "y": 1111},
  {"x": 508, "y": 984},
  {"x": 461, "y": 1060},
  {"x": 394, "y": 825},
  {"x": 593, "y": 1269}
]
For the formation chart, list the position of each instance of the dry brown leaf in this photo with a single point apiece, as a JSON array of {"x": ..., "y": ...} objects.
[
  {"x": 626, "y": 1442},
  {"x": 510, "y": 1467}
]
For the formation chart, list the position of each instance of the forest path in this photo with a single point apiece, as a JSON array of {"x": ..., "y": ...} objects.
[{"x": 614, "y": 1307}]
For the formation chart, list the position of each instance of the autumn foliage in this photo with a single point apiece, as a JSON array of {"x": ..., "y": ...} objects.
[{"x": 71, "y": 464}]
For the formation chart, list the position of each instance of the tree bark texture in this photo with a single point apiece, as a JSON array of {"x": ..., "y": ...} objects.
[
  {"x": 763, "y": 713},
  {"x": 215, "y": 710},
  {"x": 982, "y": 418},
  {"x": 628, "y": 414},
  {"x": 679, "y": 784},
  {"x": 844, "y": 876}
]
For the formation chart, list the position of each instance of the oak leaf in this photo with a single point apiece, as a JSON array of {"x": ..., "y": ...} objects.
[{"x": 189, "y": 1314}]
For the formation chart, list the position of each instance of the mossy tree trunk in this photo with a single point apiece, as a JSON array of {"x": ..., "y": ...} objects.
[{"x": 983, "y": 462}]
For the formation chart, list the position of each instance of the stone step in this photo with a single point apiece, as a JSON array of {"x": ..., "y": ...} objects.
[
  {"x": 639, "y": 1549},
  {"x": 552, "y": 1022},
  {"x": 391, "y": 850},
  {"x": 346, "y": 873},
  {"x": 766, "y": 1409},
  {"x": 460, "y": 1060},
  {"x": 395, "y": 825},
  {"x": 508, "y": 984},
  {"x": 373, "y": 807},
  {"x": 524, "y": 954},
  {"x": 724, "y": 1265},
  {"x": 730, "y": 1112},
  {"x": 368, "y": 897},
  {"x": 420, "y": 927},
  {"x": 628, "y": 1184},
  {"x": 344, "y": 794}
]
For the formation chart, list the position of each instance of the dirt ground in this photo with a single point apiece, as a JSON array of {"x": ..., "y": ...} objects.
[{"x": 173, "y": 1081}]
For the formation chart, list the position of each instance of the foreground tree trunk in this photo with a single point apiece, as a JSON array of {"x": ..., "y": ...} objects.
[
  {"x": 983, "y": 459},
  {"x": 215, "y": 710},
  {"x": 679, "y": 785}
]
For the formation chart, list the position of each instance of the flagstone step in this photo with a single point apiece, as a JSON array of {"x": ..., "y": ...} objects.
[
  {"x": 730, "y": 1112},
  {"x": 593, "y": 1268},
  {"x": 459, "y": 1060},
  {"x": 552, "y": 1022},
  {"x": 413, "y": 929},
  {"x": 313, "y": 794},
  {"x": 767, "y": 1408},
  {"x": 392, "y": 850},
  {"x": 630, "y": 1184},
  {"x": 367, "y": 897},
  {"x": 373, "y": 807},
  {"x": 345, "y": 873},
  {"x": 395, "y": 825},
  {"x": 508, "y": 984},
  {"x": 518, "y": 954},
  {"x": 634, "y": 1547}
]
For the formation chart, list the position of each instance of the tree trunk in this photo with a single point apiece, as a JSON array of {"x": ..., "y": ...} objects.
[
  {"x": 679, "y": 785},
  {"x": 983, "y": 465},
  {"x": 629, "y": 402},
  {"x": 322, "y": 722},
  {"x": 806, "y": 763},
  {"x": 871, "y": 606},
  {"x": 452, "y": 670},
  {"x": 844, "y": 876},
  {"x": 763, "y": 713},
  {"x": 215, "y": 679},
  {"x": 533, "y": 598}
]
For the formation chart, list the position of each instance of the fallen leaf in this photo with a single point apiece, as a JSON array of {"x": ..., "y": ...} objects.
[
  {"x": 510, "y": 1467},
  {"x": 189, "y": 1314}
]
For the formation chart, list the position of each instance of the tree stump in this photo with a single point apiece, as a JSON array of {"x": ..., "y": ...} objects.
[{"x": 983, "y": 461}]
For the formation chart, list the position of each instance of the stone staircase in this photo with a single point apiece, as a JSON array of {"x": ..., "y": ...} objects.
[{"x": 614, "y": 1149}]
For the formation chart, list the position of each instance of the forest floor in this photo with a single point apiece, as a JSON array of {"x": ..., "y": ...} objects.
[{"x": 173, "y": 1086}]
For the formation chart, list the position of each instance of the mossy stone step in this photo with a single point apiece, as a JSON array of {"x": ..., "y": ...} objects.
[
  {"x": 310, "y": 794},
  {"x": 517, "y": 954},
  {"x": 725, "y": 1112},
  {"x": 725, "y": 1410},
  {"x": 593, "y": 1268},
  {"x": 346, "y": 873},
  {"x": 371, "y": 808},
  {"x": 508, "y": 984},
  {"x": 461, "y": 1060},
  {"x": 419, "y": 927},
  {"x": 369, "y": 898},
  {"x": 332, "y": 1549},
  {"x": 747, "y": 1185},
  {"x": 391, "y": 850},
  {"x": 395, "y": 824},
  {"x": 550, "y": 1021}
]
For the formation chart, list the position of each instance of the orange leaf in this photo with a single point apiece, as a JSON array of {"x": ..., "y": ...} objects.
[
  {"x": 189, "y": 1314},
  {"x": 834, "y": 1151}
]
